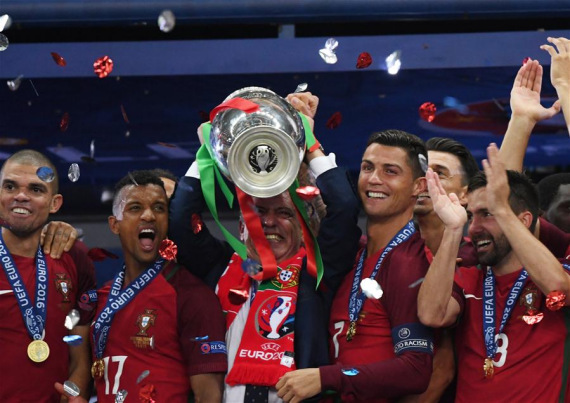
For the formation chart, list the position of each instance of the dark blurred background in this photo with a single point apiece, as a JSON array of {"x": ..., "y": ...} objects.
[{"x": 460, "y": 55}]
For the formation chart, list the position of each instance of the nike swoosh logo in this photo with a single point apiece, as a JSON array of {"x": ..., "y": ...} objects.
[{"x": 5, "y": 291}]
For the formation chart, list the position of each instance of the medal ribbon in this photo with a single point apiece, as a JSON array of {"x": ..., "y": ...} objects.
[
  {"x": 489, "y": 308},
  {"x": 34, "y": 315},
  {"x": 118, "y": 299},
  {"x": 356, "y": 299}
]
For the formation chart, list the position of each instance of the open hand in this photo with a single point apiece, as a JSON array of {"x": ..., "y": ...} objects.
[{"x": 447, "y": 207}]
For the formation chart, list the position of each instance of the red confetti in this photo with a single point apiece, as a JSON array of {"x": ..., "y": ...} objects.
[
  {"x": 427, "y": 111},
  {"x": 308, "y": 193},
  {"x": 100, "y": 254},
  {"x": 103, "y": 66},
  {"x": 240, "y": 294},
  {"x": 334, "y": 121},
  {"x": 64, "y": 124},
  {"x": 58, "y": 59},
  {"x": 168, "y": 249},
  {"x": 197, "y": 223},
  {"x": 205, "y": 116},
  {"x": 364, "y": 60},
  {"x": 147, "y": 394},
  {"x": 532, "y": 318},
  {"x": 526, "y": 59},
  {"x": 124, "y": 112},
  {"x": 555, "y": 300}
]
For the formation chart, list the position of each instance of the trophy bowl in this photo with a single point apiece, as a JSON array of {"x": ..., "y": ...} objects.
[{"x": 261, "y": 151}]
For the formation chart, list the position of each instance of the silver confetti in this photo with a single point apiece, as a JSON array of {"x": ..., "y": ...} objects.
[
  {"x": 416, "y": 283},
  {"x": 331, "y": 44},
  {"x": 143, "y": 375},
  {"x": 328, "y": 56},
  {"x": 371, "y": 288},
  {"x": 72, "y": 319},
  {"x": 92, "y": 149},
  {"x": 70, "y": 388},
  {"x": 4, "y": 42},
  {"x": 302, "y": 87},
  {"x": 328, "y": 52},
  {"x": 73, "y": 172},
  {"x": 423, "y": 162},
  {"x": 73, "y": 339},
  {"x": 393, "y": 62},
  {"x": 14, "y": 84},
  {"x": 121, "y": 396},
  {"x": 46, "y": 174},
  {"x": 5, "y": 22},
  {"x": 166, "y": 21},
  {"x": 350, "y": 371}
]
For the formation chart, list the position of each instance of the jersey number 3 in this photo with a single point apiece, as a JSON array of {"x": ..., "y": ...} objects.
[{"x": 501, "y": 349}]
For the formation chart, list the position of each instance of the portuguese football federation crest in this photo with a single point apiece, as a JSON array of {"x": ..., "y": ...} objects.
[
  {"x": 63, "y": 285},
  {"x": 144, "y": 321},
  {"x": 530, "y": 300},
  {"x": 286, "y": 278}
]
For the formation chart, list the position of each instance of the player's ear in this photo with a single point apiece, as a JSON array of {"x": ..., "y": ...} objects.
[
  {"x": 55, "y": 204},
  {"x": 526, "y": 218},
  {"x": 420, "y": 185},
  {"x": 114, "y": 224}
]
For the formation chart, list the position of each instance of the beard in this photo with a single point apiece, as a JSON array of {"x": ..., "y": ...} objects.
[{"x": 501, "y": 248}]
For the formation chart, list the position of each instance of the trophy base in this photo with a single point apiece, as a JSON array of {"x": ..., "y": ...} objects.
[{"x": 263, "y": 161}]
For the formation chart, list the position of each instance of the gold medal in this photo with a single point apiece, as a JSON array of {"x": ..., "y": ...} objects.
[
  {"x": 98, "y": 369},
  {"x": 351, "y": 331},
  {"x": 38, "y": 351},
  {"x": 488, "y": 368}
]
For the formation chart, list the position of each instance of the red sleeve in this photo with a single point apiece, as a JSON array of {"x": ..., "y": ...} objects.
[
  {"x": 201, "y": 324},
  {"x": 410, "y": 371},
  {"x": 86, "y": 284},
  {"x": 407, "y": 374}
]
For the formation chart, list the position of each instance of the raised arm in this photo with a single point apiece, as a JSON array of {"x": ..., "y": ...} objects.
[
  {"x": 560, "y": 72},
  {"x": 544, "y": 269},
  {"x": 339, "y": 232},
  {"x": 436, "y": 306},
  {"x": 526, "y": 113}
]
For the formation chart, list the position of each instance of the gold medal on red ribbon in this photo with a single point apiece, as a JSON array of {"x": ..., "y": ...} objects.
[
  {"x": 98, "y": 369},
  {"x": 38, "y": 351},
  {"x": 488, "y": 368},
  {"x": 351, "y": 331}
]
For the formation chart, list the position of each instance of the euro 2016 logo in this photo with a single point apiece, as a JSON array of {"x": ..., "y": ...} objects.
[{"x": 274, "y": 318}]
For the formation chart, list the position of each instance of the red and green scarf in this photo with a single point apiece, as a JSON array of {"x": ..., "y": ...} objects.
[{"x": 266, "y": 349}]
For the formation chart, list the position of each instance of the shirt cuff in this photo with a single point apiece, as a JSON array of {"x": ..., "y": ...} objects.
[
  {"x": 193, "y": 171},
  {"x": 330, "y": 379},
  {"x": 320, "y": 165}
]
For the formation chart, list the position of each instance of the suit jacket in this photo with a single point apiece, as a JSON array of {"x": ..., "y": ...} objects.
[{"x": 207, "y": 257}]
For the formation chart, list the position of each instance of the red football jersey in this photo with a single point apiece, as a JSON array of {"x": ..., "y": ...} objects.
[
  {"x": 173, "y": 328},
  {"x": 22, "y": 379},
  {"x": 529, "y": 359},
  {"x": 399, "y": 277}
]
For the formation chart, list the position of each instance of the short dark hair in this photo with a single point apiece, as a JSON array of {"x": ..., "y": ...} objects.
[
  {"x": 450, "y": 146},
  {"x": 137, "y": 178},
  {"x": 523, "y": 195},
  {"x": 36, "y": 158},
  {"x": 413, "y": 145},
  {"x": 548, "y": 188},
  {"x": 165, "y": 173}
]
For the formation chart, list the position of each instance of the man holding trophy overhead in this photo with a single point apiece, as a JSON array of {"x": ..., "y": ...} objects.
[{"x": 277, "y": 287}]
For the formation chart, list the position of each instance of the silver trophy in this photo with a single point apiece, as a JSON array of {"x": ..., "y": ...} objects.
[{"x": 260, "y": 152}]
